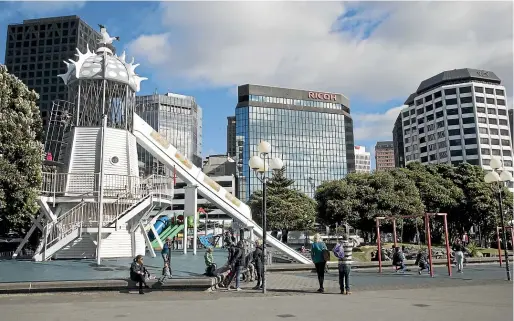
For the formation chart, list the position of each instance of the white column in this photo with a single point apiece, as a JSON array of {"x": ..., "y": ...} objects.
[
  {"x": 190, "y": 209},
  {"x": 195, "y": 233}
]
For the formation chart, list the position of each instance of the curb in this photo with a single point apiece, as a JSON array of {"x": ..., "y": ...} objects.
[{"x": 189, "y": 284}]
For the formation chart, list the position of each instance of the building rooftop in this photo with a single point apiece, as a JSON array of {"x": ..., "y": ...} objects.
[{"x": 384, "y": 144}]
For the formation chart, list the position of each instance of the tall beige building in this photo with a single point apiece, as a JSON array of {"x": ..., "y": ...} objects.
[{"x": 384, "y": 155}]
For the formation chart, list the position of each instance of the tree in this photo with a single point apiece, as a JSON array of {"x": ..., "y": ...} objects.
[
  {"x": 20, "y": 150},
  {"x": 287, "y": 209}
]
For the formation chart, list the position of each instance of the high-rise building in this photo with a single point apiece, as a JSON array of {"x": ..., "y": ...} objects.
[
  {"x": 312, "y": 132},
  {"x": 399, "y": 154},
  {"x": 231, "y": 136},
  {"x": 36, "y": 48},
  {"x": 384, "y": 155},
  {"x": 178, "y": 118},
  {"x": 511, "y": 123},
  {"x": 362, "y": 160},
  {"x": 458, "y": 116}
]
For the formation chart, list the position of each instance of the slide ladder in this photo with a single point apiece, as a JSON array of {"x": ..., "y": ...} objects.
[{"x": 167, "y": 154}]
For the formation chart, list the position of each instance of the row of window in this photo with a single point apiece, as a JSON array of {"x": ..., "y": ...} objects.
[
  {"x": 298, "y": 102},
  {"x": 462, "y": 90},
  {"x": 455, "y": 112}
]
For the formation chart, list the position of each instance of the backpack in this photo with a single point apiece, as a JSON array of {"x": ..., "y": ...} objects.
[
  {"x": 338, "y": 251},
  {"x": 326, "y": 255}
]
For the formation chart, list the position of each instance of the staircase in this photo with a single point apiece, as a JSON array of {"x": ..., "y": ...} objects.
[{"x": 85, "y": 216}]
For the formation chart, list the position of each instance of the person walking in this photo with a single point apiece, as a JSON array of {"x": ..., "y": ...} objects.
[
  {"x": 258, "y": 261},
  {"x": 343, "y": 251},
  {"x": 166, "y": 255},
  {"x": 318, "y": 255},
  {"x": 235, "y": 263},
  {"x": 458, "y": 249},
  {"x": 138, "y": 272}
]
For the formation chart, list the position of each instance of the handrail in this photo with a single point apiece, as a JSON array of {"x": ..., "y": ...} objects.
[{"x": 66, "y": 223}]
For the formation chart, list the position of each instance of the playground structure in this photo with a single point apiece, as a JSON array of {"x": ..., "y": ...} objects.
[
  {"x": 498, "y": 240},
  {"x": 426, "y": 217},
  {"x": 93, "y": 202}
]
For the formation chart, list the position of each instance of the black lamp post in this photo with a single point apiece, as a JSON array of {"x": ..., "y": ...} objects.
[
  {"x": 499, "y": 178},
  {"x": 260, "y": 165}
]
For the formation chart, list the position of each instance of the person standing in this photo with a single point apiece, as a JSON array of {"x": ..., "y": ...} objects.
[
  {"x": 258, "y": 261},
  {"x": 343, "y": 251},
  {"x": 235, "y": 263},
  {"x": 318, "y": 248},
  {"x": 458, "y": 249}
]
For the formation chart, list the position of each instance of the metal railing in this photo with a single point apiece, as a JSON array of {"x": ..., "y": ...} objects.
[{"x": 65, "y": 224}]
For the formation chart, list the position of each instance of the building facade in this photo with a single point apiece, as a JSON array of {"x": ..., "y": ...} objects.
[
  {"x": 179, "y": 119},
  {"x": 311, "y": 132},
  {"x": 362, "y": 160},
  {"x": 458, "y": 116},
  {"x": 231, "y": 136},
  {"x": 399, "y": 154},
  {"x": 384, "y": 155},
  {"x": 36, "y": 49}
]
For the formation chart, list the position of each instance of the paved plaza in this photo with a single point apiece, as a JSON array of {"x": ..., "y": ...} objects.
[{"x": 469, "y": 303}]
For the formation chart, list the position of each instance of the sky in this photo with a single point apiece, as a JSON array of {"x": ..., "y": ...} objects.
[{"x": 375, "y": 53}]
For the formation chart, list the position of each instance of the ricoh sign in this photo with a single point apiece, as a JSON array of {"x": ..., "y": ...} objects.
[{"x": 322, "y": 96}]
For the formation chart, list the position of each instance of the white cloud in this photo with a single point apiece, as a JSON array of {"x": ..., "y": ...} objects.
[
  {"x": 293, "y": 44},
  {"x": 375, "y": 126}
]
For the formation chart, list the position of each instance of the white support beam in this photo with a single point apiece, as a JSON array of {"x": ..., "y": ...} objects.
[
  {"x": 46, "y": 209},
  {"x": 190, "y": 209},
  {"x": 156, "y": 235},
  {"x": 147, "y": 240},
  {"x": 27, "y": 236}
]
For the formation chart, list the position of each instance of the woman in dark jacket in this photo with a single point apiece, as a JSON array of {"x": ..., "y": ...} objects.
[
  {"x": 258, "y": 261},
  {"x": 138, "y": 273}
]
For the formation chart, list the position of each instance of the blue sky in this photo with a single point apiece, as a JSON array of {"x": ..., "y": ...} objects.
[{"x": 374, "y": 53}]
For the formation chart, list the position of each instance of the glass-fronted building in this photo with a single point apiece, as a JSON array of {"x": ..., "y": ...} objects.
[
  {"x": 179, "y": 119},
  {"x": 312, "y": 132}
]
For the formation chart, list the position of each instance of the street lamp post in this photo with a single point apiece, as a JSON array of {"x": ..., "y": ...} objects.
[
  {"x": 260, "y": 165},
  {"x": 499, "y": 176}
]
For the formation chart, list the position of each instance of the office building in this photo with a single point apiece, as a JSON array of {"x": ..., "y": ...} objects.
[
  {"x": 312, "y": 132},
  {"x": 219, "y": 165},
  {"x": 458, "y": 116},
  {"x": 362, "y": 160},
  {"x": 384, "y": 155},
  {"x": 36, "y": 49},
  {"x": 399, "y": 154},
  {"x": 178, "y": 118},
  {"x": 231, "y": 136}
]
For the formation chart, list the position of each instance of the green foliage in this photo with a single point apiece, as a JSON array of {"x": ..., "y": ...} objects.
[
  {"x": 474, "y": 250},
  {"x": 20, "y": 147},
  {"x": 287, "y": 208}
]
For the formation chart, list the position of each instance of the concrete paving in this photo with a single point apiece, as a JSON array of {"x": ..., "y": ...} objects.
[{"x": 470, "y": 303}]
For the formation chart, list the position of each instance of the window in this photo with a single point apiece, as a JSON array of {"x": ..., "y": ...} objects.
[
  {"x": 429, "y": 107},
  {"x": 482, "y": 130},
  {"x": 412, "y": 111},
  {"x": 421, "y": 130},
  {"x": 428, "y": 98},
  {"x": 454, "y": 132},
  {"x": 502, "y": 112},
  {"x": 464, "y": 90},
  {"x": 500, "y": 92},
  {"x": 500, "y": 102},
  {"x": 482, "y": 120},
  {"x": 451, "y": 91},
  {"x": 485, "y": 151},
  {"x": 452, "y": 101},
  {"x": 455, "y": 142},
  {"x": 443, "y": 154},
  {"x": 472, "y": 161},
  {"x": 484, "y": 140},
  {"x": 431, "y": 137},
  {"x": 480, "y": 110},
  {"x": 504, "y": 132},
  {"x": 486, "y": 162},
  {"x": 470, "y": 141},
  {"x": 493, "y": 121},
  {"x": 466, "y": 110},
  {"x": 457, "y": 152},
  {"x": 406, "y": 114},
  {"x": 431, "y": 147},
  {"x": 437, "y": 94},
  {"x": 507, "y": 163},
  {"x": 433, "y": 157},
  {"x": 424, "y": 159},
  {"x": 438, "y": 104},
  {"x": 423, "y": 149},
  {"x": 468, "y": 120},
  {"x": 406, "y": 123},
  {"x": 407, "y": 131},
  {"x": 419, "y": 102},
  {"x": 451, "y": 112},
  {"x": 421, "y": 121},
  {"x": 430, "y": 117},
  {"x": 490, "y": 101},
  {"x": 440, "y": 124},
  {"x": 422, "y": 139},
  {"x": 440, "y": 134},
  {"x": 507, "y": 153},
  {"x": 480, "y": 99},
  {"x": 441, "y": 144},
  {"x": 493, "y": 131},
  {"x": 479, "y": 89},
  {"x": 472, "y": 151},
  {"x": 505, "y": 142},
  {"x": 489, "y": 91},
  {"x": 439, "y": 114},
  {"x": 407, "y": 140},
  {"x": 491, "y": 111},
  {"x": 496, "y": 152},
  {"x": 466, "y": 100},
  {"x": 420, "y": 111}
]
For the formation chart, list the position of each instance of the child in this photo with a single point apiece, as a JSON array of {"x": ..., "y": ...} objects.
[
  {"x": 210, "y": 266},
  {"x": 422, "y": 262}
]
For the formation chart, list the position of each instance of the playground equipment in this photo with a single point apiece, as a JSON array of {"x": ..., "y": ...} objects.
[
  {"x": 95, "y": 196},
  {"x": 159, "y": 225},
  {"x": 498, "y": 229},
  {"x": 428, "y": 237}
]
